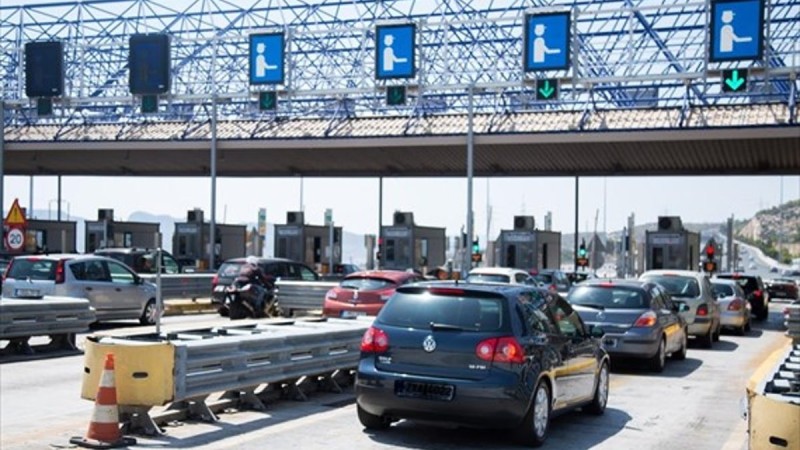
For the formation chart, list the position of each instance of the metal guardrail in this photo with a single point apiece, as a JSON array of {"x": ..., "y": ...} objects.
[
  {"x": 184, "y": 285},
  {"x": 302, "y": 295},
  {"x": 57, "y": 317},
  {"x": 182, "y": 369}
]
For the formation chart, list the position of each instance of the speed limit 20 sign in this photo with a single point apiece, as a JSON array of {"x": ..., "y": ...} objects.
[{"x": 15, "y": 240}]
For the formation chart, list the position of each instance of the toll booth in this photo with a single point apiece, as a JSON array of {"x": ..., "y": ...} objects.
[
  {"x": 190, "y": 242},
  {"x": 671, "y": 246},
  {"x": 105, "y": 232},
  {"x": 50, "y": 236},
  {"x": 526, "y": 247},
  {"x": 309, "y": 244},
  {"x": 406, "y": 245}
]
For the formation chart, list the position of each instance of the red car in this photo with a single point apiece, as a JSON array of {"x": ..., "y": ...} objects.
[{"x": 365, "y": 293}]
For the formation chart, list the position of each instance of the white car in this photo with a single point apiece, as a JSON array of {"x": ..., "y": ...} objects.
[
  {"x": 506, "y": 275},
  {"x": 112, "y": 288}
]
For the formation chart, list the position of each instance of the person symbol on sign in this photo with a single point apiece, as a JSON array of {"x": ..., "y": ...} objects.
[
  {"x": 727, "y": 35},
  {"x": 261, "y": 61},
  {"x": 540, "y": 49},
  {"x": 389, "y": 57}
]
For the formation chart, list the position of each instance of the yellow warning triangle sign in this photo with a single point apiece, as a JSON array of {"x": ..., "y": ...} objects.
[{"x": 15, "y": 216}]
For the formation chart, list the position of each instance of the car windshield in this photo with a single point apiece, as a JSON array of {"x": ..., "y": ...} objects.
[
  {"x": 33, "y": 268},
  {"x": 230, "y": 269},
  {"x": 424, "y": 310},
  {"x": 722, "y": 289},
  {"x": 366, "y": 283},
  {"x": 615, "y": 297},
  {"x": 488, "y": 278},
  {"x": 748, "y": 284},
  {"x": 677, "y": 286}
]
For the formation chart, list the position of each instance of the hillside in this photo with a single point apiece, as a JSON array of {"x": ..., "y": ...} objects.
[{"x": 766, "y": 226}]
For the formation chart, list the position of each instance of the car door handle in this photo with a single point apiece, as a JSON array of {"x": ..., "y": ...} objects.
[
  {"x": 118, "y": 289},
  {"x": 88, "y": 288}
]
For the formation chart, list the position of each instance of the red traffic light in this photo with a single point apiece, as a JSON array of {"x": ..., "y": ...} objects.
[{"x": 710, "y": 250}]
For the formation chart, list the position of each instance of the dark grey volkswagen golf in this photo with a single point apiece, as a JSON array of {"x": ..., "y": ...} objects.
[{"x": 499, "y": 356}]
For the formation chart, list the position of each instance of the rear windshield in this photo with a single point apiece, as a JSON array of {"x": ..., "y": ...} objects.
[
  {"x": 720, "y": 289},
  {"x": 748, "y": 284},
  {"x": 545, "y": 278},
  {"x": 488, "y": 278},
  {"x": 677, "y": 286},
  {"x": 230, "y": 269},
  {"x": 420, "y": 310},
  {"x": 33, "y": 268},
  {"x": 366, "y": 284},
  {"x": 608, "y": 297}
]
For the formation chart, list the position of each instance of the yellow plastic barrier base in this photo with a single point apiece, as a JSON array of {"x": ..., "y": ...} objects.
[
  {"x": 142, "y": 370},
  {"x": 773, "y": 424}
]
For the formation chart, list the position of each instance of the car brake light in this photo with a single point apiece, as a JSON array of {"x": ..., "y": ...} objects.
[
  {"x": 504, "y": 349},
  {"x": 552, "y": 288},
  {"x": 757, "y": 293},
  {"x": 215, "y": 281},
  {"x": 375, "y": 340},
  {"x": 735, "y": 305},
  {"x": 447, "y": 291},
  {"x": 647, "y": 319},
  {"x": 60, "y": 271},
  {"x": 702, "y": 310}
]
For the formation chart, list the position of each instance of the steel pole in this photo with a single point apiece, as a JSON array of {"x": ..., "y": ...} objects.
[
  {"x": 159, "y": 299},
  {"x": 379, "y": 262},
  {"x": 59, "y": 200},
  {"x": 577, "y": 198},
  {"x": 470, "y": 156},
  {"x": 212, "y": 238},
  {"x": 30, "y": 198},
  {"x": 2, "y": 169}
]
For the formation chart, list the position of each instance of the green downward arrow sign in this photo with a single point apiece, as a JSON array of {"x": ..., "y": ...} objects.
[
  {"x": 546, "y": 90},
  {"x": 734, "y": 82}
]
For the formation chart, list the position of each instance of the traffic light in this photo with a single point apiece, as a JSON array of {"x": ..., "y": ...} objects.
[
  {"x": 710, "y": 266},
  {"x": 710, "y": 251},
  {"x": 476, "y": 246},
  {"x": 582, "y": 249},
  {"x": 380, "y": 249}
]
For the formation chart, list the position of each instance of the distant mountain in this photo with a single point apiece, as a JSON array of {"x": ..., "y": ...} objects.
[{"x": 771, "y": 227}]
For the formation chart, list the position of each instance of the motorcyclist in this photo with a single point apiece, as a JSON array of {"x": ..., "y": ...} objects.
[{"x": 251, "y": 274}]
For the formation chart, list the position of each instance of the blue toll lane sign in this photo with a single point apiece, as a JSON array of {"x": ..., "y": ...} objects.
[
  {"x": 547, "y": 39},
  {"x": 737, "y": 27},
  {"x": 394, "y": 51},
  {"x": 266, "y": 58}
]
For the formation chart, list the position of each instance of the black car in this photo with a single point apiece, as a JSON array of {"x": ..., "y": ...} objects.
[
  {"x": 553, "y": 280},
  {"x": 272, "y": 269},
  {"x": 482, "y": 355},
  {"x": 754, "y": 289},
  {"x": 639, "y": 319},
  {"x": 143, "y": 260}
]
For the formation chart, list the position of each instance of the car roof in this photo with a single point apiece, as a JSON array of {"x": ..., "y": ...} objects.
[
  {"x": 394, "y": 275},
  {"x": 610, "y": 282},
  {"x": 736, "y": 275},
  {"x": 683, "y": 273},
  {"x": 506, "y": 289},
  {"x": 260, "y": 259},
  {"x": 496, "y": 271},
  {"x": 724, "y": 281}
]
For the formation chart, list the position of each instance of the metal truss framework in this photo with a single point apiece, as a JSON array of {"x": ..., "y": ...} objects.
[{"x": 626, "y": 54}]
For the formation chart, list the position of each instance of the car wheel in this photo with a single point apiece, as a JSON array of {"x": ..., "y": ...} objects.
[
  {"x": 764, "y": 313},
  {"x": 717, "y": 333},
  {"x": 681, "y": 354},
  {"x": 223, "y": 311},
  {"x": 536, "y": 423},
  {"x": 150, "y": 313},
  {"x": 237, "y": 311},
  {"x": 707, "y": 341},
  {"x": 598, "y": 405},
  {"x": 747, "y": 326},
  {"x": 371, "y": 421},
  {"x": 658, "y": 361}
]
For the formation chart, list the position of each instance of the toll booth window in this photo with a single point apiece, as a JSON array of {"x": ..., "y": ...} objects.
[
  {"x": 182, "y": 245},
  {"x": 127, "y": 239},
  {"x": 390, "y": 250}
]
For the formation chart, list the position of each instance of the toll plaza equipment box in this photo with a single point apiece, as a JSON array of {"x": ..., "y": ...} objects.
[
  {"x": 191, "y": 241},
  {"x": 528, "y": 249},
  {"x": 405, "y": 245},
  {"x": 51, "y": 236},
  {"x": 672, "y": 246},
  {"x": 309, "y": 244}
]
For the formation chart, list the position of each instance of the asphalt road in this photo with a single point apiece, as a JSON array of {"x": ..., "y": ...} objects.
[{"x": 693, "y": 404}]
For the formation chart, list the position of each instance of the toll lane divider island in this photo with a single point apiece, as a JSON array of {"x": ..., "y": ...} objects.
[{"x": 182, "y": 369}]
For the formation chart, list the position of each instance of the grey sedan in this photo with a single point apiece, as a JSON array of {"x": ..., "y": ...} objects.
[{"x": 638, "y": 317}]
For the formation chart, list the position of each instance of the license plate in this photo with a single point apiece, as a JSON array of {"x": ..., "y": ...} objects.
[
  {"x": 26, "y": 293},
  {"x": 610, "y": 343},
  {"x": 352, "y": 314},
  {"x": 424, "y": 391}
]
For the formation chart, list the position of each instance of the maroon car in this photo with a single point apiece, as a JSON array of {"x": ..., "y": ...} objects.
[{"x": 365, "y": 293}]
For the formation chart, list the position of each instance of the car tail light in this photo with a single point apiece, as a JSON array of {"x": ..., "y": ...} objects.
[
  {"x": 504, "y": 349},
  {"x": 757, "y": 293},
  {"x": 215, "y": 281},
  {"x": 331, "y": 295},
  {"x": 60, "y": 271},
  {"x": 647, "y": 319},
  {"x": 375, "y": 340},
  {"x": 735, "y": 305},
  {"x": 552, "y": 288},
  {"x": 447, "y": 291},
  {"x": 702, "y": 310}
]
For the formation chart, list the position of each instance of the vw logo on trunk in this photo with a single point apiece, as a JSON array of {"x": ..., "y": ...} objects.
[{"x": 429, "y": 344}]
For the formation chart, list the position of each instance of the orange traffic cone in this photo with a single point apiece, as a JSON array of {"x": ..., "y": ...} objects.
[{"x": 104, "y": 429}]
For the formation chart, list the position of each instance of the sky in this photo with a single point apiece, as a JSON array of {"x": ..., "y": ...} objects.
[{"x": 436, "y": 202}]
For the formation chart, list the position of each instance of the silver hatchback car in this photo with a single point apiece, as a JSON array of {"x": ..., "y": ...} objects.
[{"x": 112, "y": 288}]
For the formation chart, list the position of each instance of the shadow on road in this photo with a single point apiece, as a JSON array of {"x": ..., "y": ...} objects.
[
  {"x": 673, "y": 369},
  {"x": 593, "y": 430}
]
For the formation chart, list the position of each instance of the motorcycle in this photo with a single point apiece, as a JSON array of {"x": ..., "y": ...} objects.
[{"x": 242, "y": 300}]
